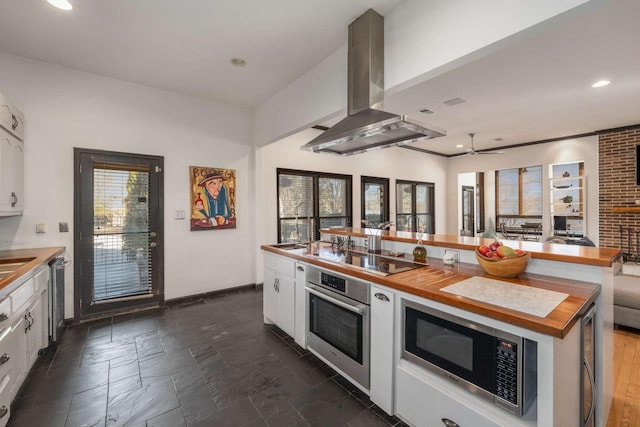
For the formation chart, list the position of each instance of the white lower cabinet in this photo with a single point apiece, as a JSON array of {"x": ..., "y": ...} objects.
[
  {"x": 300, "y": 305},
  {"x": 23, "y": 333},
  {"x": 279, "y": 292},
  {"x": 382, "y": 349}
]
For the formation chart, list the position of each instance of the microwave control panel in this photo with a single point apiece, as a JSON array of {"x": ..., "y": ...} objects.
[{"x": 507, "y": 371}]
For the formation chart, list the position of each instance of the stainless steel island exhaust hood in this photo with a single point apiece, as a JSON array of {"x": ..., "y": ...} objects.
[{"x": 367, "y": 126}]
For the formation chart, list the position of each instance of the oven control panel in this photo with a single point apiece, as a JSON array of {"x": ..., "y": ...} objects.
[{"x": 333, "y": 282}]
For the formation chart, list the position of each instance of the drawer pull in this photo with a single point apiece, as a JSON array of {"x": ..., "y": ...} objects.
[
  {"x": 448, "y": 423},
  {"x": 4, "y": 359},
  {"x": 3, "y": 317},
  {"x": 3, "y": 411},
  {"x": 4, "y": 333}
]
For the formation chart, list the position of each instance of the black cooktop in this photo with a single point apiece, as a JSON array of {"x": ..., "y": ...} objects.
[{"x": 372, "y": 262}]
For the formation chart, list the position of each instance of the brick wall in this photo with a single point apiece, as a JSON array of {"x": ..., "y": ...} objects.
[{"x": 617, "y": 185}]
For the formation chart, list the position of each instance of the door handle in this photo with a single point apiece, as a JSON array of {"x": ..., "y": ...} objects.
[
  {"x": 153, "y": 244},
  {"x": 4, "y": 359},
  {"x": 381, "y": 297}
]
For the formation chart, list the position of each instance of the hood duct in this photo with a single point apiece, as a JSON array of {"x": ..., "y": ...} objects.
[{"x": 367, "y": 126}]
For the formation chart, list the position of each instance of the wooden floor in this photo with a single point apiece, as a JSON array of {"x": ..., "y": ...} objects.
[{"x": 625, "y": 410}]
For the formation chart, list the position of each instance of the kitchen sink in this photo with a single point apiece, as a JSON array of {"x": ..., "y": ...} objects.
[{"x": 290, "y": 246}]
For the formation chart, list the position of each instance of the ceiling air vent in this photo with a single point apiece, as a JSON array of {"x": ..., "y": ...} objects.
[{"x": 454, "y": 101}]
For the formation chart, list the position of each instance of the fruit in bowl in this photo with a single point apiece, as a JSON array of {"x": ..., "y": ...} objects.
[{"x": 500, "y": 260}]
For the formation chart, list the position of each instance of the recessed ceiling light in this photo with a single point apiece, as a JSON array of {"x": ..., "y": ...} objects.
[
  {"x": 61, "y": 4},
  {"x": 238, "y": 62},
  {"x": 498, "y": 139},
  {"x": 459, "y": 146},
  {"x": 600, "y": 83}
]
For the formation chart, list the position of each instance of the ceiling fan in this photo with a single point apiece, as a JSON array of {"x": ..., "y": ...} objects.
[{"x": 472, "y": 152}]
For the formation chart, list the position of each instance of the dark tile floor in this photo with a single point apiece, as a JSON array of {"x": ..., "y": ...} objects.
[{"x": 209, "y": 362}]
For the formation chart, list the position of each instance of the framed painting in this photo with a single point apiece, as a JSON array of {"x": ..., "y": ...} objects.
[{"x": 213, "y": 198}]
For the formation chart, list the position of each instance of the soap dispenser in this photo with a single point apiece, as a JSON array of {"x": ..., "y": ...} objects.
[{"x": 419, "y": 252}]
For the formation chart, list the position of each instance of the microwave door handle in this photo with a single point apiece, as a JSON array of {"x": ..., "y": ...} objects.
[
  {"x": 593, "y": 390},
  {"x": 354, "y": 308}
]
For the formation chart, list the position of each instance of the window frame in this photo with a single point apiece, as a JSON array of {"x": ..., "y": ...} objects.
[
  {"x": 315, "y": 217},
  {"x": 431, "y": 216},
  {"x": 519, "y": 215}
]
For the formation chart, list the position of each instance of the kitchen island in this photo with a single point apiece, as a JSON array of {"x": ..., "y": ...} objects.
[{"x": 557, "y": 334}]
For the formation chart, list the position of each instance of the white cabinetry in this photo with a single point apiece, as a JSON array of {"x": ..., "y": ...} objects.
[
  {"x": 382, "y": 340},
  {"x": 23, "y": 332},
  {"x": 301, "y": 306},
  {"x": 11, "y": 159},
  {"x": 279, "y": 292}
]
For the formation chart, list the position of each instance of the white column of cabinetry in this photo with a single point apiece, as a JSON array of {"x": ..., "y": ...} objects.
[
  {"x": 300, "y": 327},
  {"x": 382, "y": 350},
  {"x": 279, "y": 292}
]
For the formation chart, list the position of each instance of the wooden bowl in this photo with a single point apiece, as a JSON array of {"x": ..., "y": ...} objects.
[{"x": 504, "y": 267}]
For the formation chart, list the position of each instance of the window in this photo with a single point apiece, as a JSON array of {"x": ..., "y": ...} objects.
[
  {"x": 375, "y": 200},
  {"x": 309, "y": 201},
  {"x": 415, "y": 206},
  {"x": 518, "y": 196}
]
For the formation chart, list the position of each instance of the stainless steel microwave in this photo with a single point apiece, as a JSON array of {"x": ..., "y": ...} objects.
[{"x": 493, "y": 364}]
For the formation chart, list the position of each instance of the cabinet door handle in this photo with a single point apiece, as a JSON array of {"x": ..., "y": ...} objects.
[
  {"x": 31, "y": 321},
  {"x": 381, "y": 297},
  {"x": 4, "y": 359},
  {"x": 3, "y": 411},
  {"x": 448, "y": 423},
  {"x": 300, "y": 268},
  {"x": 14, "y": 200},
  {"x": 26, "y": 328},
  {"x": 3, "y": 317}
]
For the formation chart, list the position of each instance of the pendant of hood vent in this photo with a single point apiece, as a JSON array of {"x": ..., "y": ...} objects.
[{"x": 367, "y": 127}]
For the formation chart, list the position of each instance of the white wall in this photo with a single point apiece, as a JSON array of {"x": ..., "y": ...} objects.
[
  {"x": 569, "y": 150},
  {"x": 423, "y": 39},
  {"x": 66, "y": 109},
  {"x": 393, "y": 163}
]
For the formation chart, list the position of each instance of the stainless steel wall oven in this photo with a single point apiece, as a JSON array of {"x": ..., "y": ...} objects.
[
  {"x": 491, "y": 363},
  {"x": 338, "y": 322}
]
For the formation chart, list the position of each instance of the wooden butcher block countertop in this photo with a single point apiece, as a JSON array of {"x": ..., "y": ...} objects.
[
  {"x": 31, "y": 260},
  {"x": 429, "y": 280}
]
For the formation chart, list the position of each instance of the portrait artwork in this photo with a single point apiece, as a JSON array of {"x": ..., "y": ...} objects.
[{"x": 213, "y": 198}]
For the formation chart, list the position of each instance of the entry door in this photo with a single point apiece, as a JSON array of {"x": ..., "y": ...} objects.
[{"x": 118, "y": 233}]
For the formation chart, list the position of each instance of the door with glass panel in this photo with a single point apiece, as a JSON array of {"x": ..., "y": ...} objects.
[
  {"x": 375, "y": 200},
  {"x": 118, "y": 234}
]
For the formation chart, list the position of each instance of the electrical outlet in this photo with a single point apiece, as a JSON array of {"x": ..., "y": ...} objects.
[
  {"x": 180, "y": 214},
  {"x": 41, "y": 228}
]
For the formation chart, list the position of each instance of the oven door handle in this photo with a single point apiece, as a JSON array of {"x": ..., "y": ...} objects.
[{"x": 333, "y": 298}]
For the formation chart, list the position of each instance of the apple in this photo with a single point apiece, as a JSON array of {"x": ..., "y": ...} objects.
[
  {"x": 494, "y": 245},
  {"x": 484, "y": 250}
]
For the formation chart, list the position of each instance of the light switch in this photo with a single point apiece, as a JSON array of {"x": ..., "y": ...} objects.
[
  {"x": 180, "y": 214},
  {"x": 41, "y": 228},
  {"x": 63, "y": 227}
]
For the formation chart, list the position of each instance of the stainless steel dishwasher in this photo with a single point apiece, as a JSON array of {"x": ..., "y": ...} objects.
[{"x": 56, "y": 300}]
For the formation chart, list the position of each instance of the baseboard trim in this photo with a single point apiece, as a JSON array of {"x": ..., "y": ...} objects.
[{"x": 212, "y": 294}]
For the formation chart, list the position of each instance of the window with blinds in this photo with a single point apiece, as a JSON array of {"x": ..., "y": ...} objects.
[
  {"x": 309, "y": 201},
  {"x": 121, "y": 257},
  {"x": 519, "y": 192}
]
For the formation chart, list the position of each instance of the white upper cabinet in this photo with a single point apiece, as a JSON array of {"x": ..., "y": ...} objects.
[{"x": 11, "y": 159}]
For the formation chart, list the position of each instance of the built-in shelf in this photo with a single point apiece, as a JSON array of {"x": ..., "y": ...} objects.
[{"x": 626, "y": 209}]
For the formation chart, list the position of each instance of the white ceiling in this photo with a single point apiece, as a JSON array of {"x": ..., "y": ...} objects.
[{"x": 534, "y": 89}]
